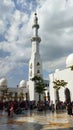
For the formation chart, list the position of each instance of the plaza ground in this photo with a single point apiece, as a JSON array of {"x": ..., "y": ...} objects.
[{"x": 36, "y": 120}]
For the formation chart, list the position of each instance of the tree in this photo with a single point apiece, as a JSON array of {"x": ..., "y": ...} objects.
[
  {"x": 39, "y": 85},
  {"x": 57, "y": 86},
  {"x": 71, "y": 67}
]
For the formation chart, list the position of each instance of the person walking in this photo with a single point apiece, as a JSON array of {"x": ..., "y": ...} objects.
[{"x": 69, "y": 109}]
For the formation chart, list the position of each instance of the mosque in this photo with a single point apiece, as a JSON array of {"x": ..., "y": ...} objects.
[
  {"x": 13, "y": 93},
  {"x": 26, "y": 90},
  {"x": 65, "y": 93}
]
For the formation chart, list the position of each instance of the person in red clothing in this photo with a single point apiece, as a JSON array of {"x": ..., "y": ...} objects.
[{"x": 11, "y": 110}]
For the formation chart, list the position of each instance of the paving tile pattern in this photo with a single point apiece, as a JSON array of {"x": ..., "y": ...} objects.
[{"x": 34, "y": 120}]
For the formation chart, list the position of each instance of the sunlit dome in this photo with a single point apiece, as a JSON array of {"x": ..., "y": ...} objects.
[
  {"x": 69, "y": 60},
  {"x": 3, "y": 82},
  {"x": 57, "y": 70},
  {"x": 22, "y": 84}
]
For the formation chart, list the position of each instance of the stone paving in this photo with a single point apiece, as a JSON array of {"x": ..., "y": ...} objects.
[{"x": 35, "y": 120}]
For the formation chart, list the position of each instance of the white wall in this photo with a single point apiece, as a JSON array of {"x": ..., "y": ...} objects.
[{"x": 66, "y": 75}]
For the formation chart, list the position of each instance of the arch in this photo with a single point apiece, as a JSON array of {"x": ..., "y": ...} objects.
[
  {"x": 67, "y": 95},
  {"x": 38, "y": 63},
  {"x": 38, "y": 71},
  {"x": 31, "y": 66}
]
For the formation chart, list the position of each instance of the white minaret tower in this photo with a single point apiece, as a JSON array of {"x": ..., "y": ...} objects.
[{"x": 35, "y": 64}]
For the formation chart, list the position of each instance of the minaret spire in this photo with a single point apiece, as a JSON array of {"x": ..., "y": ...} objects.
[
  {"x": 35, "y": 28},
  {"x": 35, "y": 21}
]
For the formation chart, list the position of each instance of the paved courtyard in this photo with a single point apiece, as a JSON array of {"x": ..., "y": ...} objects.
[{"x": 34, "y": 120}]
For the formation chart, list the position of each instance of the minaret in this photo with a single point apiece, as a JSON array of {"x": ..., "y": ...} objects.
[{"x": 35, "y": 64}]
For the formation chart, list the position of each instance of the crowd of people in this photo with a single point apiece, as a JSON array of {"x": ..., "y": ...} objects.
[
  {"x": 12, "y": 107},
  {"x": 16, "y": 107}
]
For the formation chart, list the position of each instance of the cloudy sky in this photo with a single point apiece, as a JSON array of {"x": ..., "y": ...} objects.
[{"x": 55, "y": 18}]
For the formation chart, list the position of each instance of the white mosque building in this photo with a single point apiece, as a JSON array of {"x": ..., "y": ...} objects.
[
  {"x": 17, "y": 93},
  {"x": 26, "y": 90},
  {"x": 65, "y": 93}
]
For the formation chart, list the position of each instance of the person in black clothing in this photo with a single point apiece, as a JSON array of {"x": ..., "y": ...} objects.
[{"x": 69, "y": 109}]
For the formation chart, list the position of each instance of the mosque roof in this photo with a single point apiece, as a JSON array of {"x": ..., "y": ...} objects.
[
  {"x": 57, "y": 70},
  {"x": 3, "y": 82},
  {"x": 69, "y": 60},
  {"x": 22, "y": 84}
]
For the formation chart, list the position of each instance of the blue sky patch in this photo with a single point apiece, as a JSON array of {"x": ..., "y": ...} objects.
[
  {"x": 26, "y": 6},
  {"x": 3, "y": 53},
  {"x": 2, "y": 38}
]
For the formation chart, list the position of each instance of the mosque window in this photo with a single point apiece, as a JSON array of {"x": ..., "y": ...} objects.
[
  {"x": 38, "y": 64},
  {"x": 38, "y": 71},
  {"x": 31, "y": 65},
  {"x": 30, "y": 73}
]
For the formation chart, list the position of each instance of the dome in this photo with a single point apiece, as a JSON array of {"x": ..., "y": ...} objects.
[
  {"x": 22, "y": 84},
  {"x": 57, "y": 70},
  {"x": 3, "y": 82},
  {"x": 69, "y": 60}
]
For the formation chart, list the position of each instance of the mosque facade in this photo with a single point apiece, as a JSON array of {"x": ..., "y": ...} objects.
[
  {"x": 65, "y": 93},
  {"x": 17, "y": 93},
  {"x": 26, "y": 90}
]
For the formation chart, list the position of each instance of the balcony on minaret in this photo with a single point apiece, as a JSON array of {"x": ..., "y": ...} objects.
[
  {"x": 36, "y": 38},
  {"x": 35, "y": 25}
]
